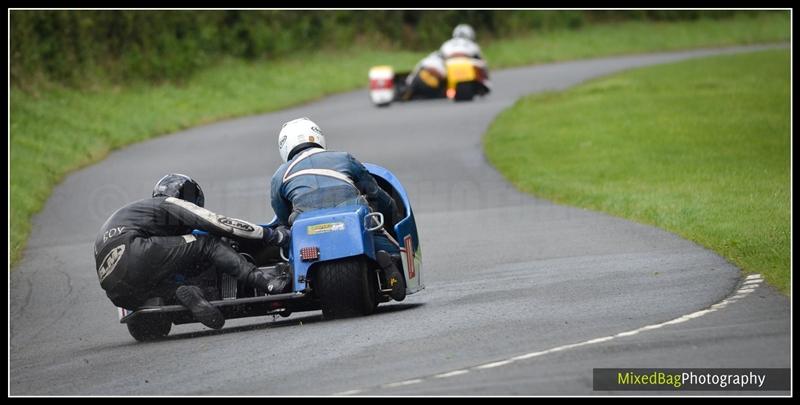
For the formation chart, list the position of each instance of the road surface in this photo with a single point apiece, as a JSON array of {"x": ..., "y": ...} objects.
[{"x": 558, "y": 290}]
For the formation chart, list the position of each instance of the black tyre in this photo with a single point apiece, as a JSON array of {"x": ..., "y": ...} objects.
[
  {"x": 346, "y": 288},
  {"x": 465, "y": 91},
  {"x": 145, "y": 330}
]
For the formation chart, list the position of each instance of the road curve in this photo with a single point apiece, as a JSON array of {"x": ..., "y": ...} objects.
[{"x": 506, "y": 274}]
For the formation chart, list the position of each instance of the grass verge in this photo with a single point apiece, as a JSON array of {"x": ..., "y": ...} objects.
[
  {"x": 699, "y": 148},
  {"x": 55, "y": 130}
]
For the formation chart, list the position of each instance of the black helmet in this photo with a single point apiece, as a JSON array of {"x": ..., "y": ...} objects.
[{"x": 179, "y": 186}]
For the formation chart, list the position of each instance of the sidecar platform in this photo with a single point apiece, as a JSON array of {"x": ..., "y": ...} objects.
[{"x": 230, "y": 308}]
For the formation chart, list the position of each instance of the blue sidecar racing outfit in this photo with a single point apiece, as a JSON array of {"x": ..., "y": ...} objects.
[{"x": 316, "y": 178}]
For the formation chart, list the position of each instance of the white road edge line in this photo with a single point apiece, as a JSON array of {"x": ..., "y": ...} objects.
[
  {"x": 451, "y": 374},
  {"x": 402, "y": 383},
  {"x": 351, "y": 392},
  {"x": 741, "y": 292},
  {"x": 493, "y": 365}
]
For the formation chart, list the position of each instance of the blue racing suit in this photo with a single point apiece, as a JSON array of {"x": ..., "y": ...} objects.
[{"x": 315, "y": 178}]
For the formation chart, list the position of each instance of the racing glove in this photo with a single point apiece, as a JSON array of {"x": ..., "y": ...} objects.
[{"x": 280, "y": 236}]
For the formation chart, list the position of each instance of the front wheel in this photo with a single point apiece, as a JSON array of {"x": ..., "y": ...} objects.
[
  {"x": 346, "y": 288},
  {"x": 145, "y": 330}
]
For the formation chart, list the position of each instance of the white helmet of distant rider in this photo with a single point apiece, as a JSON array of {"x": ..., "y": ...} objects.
[
  {"x": 298, "y": 134},
  {"x": 464, "y": 31}
]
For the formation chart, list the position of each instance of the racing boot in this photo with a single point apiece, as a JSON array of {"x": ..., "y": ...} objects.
[
  {"x": 269, "y": 280},
  {"x": 192, "y": 298},
  {"x": 393, "y": 278}
]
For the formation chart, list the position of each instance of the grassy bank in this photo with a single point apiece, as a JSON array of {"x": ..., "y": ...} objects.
[
  {"x": 636, "y": 37},
  {"x": 699, "y": 148},
  {"x": 55, "y": 129}
]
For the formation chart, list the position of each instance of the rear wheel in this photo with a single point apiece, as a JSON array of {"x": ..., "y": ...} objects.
[
  {"x": 465, "y": 91},
  {"x": 346, "y": 288},
  {"x": 145, "y": 330}
]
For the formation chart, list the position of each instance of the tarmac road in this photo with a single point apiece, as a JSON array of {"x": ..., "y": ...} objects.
[{"x": 506, "y": 274}]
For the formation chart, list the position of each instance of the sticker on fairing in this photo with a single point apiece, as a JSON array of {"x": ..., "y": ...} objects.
[{"x": 324, "y": 228}]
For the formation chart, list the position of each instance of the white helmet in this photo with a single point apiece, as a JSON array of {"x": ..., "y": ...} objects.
[
  {"x": 464, "y": 31},
  {"x": 298, "y": 132}
]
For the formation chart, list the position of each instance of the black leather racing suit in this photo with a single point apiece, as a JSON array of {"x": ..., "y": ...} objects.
[{"x": 145, "y": 243}]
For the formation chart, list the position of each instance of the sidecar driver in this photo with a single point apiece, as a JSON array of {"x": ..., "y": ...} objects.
[
  {"x": 462, "y": 44},
  {"x": 312, "y": 177},
  {"x": 144, "y": 244}
]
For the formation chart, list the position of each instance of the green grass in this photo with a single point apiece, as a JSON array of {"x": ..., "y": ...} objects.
[
  {"x": 55, "y": 129},
  {"x": 634, "y": 37},
  {"x": 699, "y": 148}
]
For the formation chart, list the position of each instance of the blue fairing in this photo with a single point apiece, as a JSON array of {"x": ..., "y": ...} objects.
[
  {"x": 407, "y": 225},
  {"x": 405, "y": 231}
]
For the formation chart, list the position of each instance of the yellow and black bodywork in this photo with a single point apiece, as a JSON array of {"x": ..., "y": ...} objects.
[{"x": 465, "y": 78}]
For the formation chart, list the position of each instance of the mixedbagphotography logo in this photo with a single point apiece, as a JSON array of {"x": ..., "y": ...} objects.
[{"x": 691, "y": 379}]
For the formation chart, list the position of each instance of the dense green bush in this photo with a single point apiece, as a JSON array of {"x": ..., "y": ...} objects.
[
  {"x": 662, "y": 15},
  {"x": 74, "y": 47}
]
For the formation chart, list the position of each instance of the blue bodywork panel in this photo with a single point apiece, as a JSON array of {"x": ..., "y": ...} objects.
[
  {"x": 337, "y": 233},
  {"x": 406, "y": 232},
  {"x": 406, "y": 226}
]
